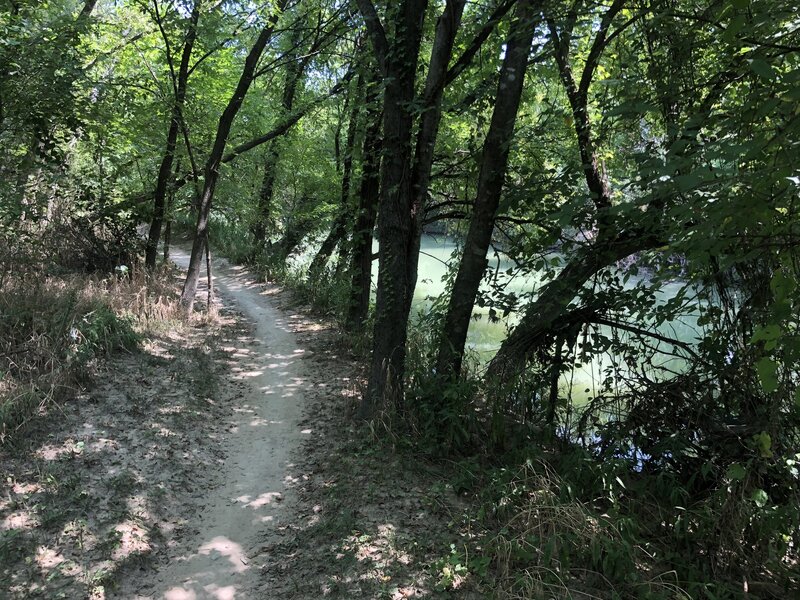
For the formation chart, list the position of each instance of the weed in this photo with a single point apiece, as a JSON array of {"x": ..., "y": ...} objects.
[{"x": 54, "y": 329}]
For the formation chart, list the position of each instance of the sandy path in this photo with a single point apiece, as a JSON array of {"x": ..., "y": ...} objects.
[{"x": 238, "y": 516}]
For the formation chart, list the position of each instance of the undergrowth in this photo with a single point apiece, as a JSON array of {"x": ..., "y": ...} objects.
[
  {"x": 549, "y": 518},
  {"x": 53, "y": 330}
]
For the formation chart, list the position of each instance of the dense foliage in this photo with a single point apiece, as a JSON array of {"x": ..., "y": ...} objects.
[{"x": 634, "y": 161}]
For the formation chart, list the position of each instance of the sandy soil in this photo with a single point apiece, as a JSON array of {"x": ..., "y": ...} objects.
[{"x": 218, "y": 562}]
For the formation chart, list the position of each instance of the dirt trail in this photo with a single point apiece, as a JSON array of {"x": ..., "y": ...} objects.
[{"x": 237, "y": 518}]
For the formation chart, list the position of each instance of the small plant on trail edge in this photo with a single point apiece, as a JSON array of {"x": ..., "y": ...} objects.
[{"x": 453, "y": 570}]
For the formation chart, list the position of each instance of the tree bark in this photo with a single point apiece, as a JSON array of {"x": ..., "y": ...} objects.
[
  {"x": 211, "y": 171},
  {"x": 395, "y": 230},
  {"x": 165, "y": 170},
  {"x": 494, "y": 161},
  {"x": 264, "y": 205},
  {"x": 361, "y": 253},
  {"x": 441, "y": 54},
  {"x": 167, "y": 239},
  {"x": 87, "y": 9},
  {"x": 339, "y": 228},
  {"x": 210, "y": 278}
]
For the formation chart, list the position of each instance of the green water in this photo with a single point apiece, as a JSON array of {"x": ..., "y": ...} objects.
[{"x": 485, "y": 336}]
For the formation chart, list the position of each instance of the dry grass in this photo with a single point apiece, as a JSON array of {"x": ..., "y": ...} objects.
[
  {"x": 53, "y": 330},
  {"x": 551, "y": 545}
]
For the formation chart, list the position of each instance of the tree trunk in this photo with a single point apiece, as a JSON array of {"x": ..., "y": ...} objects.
[
  {"x": 441, "y": 54},
  {"x": 264, "y": 215},
  {"x": 578, "y": 101},
  {"x": 494, "y": 161},
  {"x": 294, "y": 72},
  {"x": 361, "y": 252},
  {"x": 210, "y": 278},
  {"x": 339, "y": 227},
  {"x": 394, "y": 218},
  {"x": 168, "y": 215},
  {"x": 87, "y": 9},
  {"x": 167, "y": 239},
  {"x": 211, "y": 171},
  {"x": 165, "y": 170},
  {"x": 542, "y": 315}
]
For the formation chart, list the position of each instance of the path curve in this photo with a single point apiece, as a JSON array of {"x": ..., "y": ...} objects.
[{"x": 218, "y": 563}]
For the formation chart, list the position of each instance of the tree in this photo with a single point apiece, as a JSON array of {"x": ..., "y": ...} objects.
[
  {"x": 490, "y": 183},
  {"x": 401, "y": 208},
  {"x": 397, "y": 57},
  {"x": 296, "y": 64},
  {"x": 614, "y": 242},
  {"x": 211, "y": 170},
  {"x": 339, "y": 227},
  {"x": 366, "y": 211},
  {"x": 179, "y": 83}
]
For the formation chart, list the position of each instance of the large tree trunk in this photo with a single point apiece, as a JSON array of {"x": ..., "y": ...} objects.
[
  {"x": 361, "y": 254},
  {"x": 339, "y": 228},
  {"x": 165, "y": 170},
  {"x": 494, "y": 161},
  {"x": 441, "y": 54},
  {"x": 395, "y": 233},
  {"x": 211, "y": 170},
  {"x": 542, "y": 315}
]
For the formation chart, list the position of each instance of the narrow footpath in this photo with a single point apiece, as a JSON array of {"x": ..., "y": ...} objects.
[{"x": 218, "y": 562}]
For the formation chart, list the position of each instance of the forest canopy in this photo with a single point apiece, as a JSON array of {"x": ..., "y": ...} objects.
[{"x": 616, "y": 184}]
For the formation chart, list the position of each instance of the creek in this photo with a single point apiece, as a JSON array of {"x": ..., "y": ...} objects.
[
  {"x": 437, "y": 253},
  {"x": 485, "y": 335}
]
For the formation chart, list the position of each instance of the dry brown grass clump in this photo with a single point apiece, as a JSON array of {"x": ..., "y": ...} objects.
[{"x": 53, "y": 330}]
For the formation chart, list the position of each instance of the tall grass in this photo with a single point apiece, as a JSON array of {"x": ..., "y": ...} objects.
[{"x": 53, "y": 330}]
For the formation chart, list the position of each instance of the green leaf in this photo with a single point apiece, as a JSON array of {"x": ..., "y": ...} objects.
[
  {"x": 766, "y": 333},
  {"x": 736, "y": 472},
  {"x": 782, "y": 285},
  {"x": 768, "y": 374},
  {"x": 763, "y": 69},
  {"x": 763, "y": 443},
  {"x": 760, "y": 497}
]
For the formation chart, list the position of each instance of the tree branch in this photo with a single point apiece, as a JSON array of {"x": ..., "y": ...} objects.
[
  {"x": 288, "y": 122},
  {"x": 468, "y": 55},
  {"x": 642, "y": 332},
  {"x": 376, "y": 31},
  {"x": 598, "y": 45}
]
